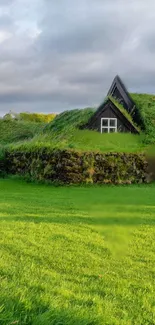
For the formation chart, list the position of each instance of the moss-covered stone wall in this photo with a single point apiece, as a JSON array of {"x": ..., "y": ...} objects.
[{"x": 73, "y": 167}]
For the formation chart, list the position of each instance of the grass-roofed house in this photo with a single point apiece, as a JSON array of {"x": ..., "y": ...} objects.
[{"x": 118, "y": 113}]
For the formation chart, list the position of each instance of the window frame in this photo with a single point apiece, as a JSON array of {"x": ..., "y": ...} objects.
[{"x": 108, "y": 127}]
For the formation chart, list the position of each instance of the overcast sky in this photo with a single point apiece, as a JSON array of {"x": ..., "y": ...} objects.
[{"x": 57, "y": 55}]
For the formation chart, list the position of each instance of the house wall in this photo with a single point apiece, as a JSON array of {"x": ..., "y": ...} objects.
[{"x": 109, "y": 113}]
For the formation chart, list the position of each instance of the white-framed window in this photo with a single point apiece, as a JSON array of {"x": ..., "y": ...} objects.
[{"x": 108, "y": 125}]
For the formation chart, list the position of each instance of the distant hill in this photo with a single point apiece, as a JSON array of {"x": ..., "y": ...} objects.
[{"x": 22, "y": 127}]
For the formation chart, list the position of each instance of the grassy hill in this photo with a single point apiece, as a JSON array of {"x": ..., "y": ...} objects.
[
  {"x": 22, "y": 127},
  {"x": 64, "y": 132},
  {"x": 12, "y": 131}
]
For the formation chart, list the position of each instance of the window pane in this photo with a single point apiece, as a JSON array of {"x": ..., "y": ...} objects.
[
  {"x": 112, "y": 122},
  {"x": 105, "y": 122},
  {"x": 111, "y": 130},
  {"x": 105, "y": 130}
]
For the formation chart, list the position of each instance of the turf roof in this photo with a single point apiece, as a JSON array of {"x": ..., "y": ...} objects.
[{"x": 123, "y": 111}]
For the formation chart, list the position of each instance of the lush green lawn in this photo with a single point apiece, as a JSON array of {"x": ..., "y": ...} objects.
[
  {"x": 85, "y": 140},
  {"x": 77, "y": 255}
]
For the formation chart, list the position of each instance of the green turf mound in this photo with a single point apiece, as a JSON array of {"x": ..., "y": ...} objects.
[
  {"x": 64, "y": 131},
  {"x": 69, "y": 120},
  {"x": 12, "y": 131},
  {"x": 146, "y": 106}
]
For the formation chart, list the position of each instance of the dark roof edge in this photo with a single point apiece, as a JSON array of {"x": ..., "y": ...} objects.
[{"x": 118, "y": 82}]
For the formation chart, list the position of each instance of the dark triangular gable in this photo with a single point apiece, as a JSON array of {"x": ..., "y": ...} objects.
[
  {"x": 119, "y": 91},
  {"x": 95, "y": 119}
]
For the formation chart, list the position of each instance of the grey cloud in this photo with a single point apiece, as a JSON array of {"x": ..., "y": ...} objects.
[
  {"x": 149, "y": 42},
  {"x": 85, "y": 38},
  {"x": 6, "y": 22},
  {"x": 6, "y": 2},
  {"x": 80, "y": 48}
]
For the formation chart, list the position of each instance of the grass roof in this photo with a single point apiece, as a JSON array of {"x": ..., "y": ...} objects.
[
  {"x": 69, "y": 120},
  {"x": 146, "y": 105},
  {"x": 124, "y": 112}
]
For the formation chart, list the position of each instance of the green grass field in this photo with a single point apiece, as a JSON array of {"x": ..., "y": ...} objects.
[
  {"x": 76, "y": 255},
  {"x": 63, "y": 132},
  {"x": 85, "y": 140}
]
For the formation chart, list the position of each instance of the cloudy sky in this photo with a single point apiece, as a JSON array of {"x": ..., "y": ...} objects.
[{"x": 57, "y": 55}]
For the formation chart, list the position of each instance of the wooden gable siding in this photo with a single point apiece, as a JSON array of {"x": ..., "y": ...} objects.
[
  {"x": 119, "y": 91},
  {"x": 116, "y": 94},
  {"x": 109, "y": 110}
]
